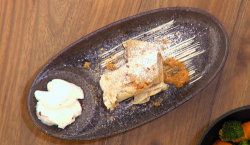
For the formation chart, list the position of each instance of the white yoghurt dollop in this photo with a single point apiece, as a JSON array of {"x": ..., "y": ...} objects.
[{"x": 59, "y": 105}]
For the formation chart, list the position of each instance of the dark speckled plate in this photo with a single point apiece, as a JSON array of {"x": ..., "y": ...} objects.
[{"x": 208, "y": 37}]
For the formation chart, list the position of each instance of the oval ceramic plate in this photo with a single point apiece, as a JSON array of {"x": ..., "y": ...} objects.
[{"x": 191, "y": 35}]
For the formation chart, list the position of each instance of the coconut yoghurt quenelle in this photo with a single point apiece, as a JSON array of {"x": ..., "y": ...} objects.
[{"x": 59, "y": 105}]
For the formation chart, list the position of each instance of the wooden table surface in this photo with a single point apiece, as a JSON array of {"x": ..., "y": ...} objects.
[{"x": 32, "y": 32}]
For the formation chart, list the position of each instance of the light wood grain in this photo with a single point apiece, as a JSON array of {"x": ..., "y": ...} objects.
[{"x": 32, "y": 32}]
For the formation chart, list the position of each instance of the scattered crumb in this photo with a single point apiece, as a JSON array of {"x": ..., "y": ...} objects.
[
  {"x": 97, "y": 69},
  {"x": 82, "y": 105},
  {"x": 110, "y": 66},
  {"x": 144, "y": 104},
  {"x": 111, "y": 118},
  {"x": 165, "y": 41},
  {"x": 163, "y": 48},
  {"x": 158, "y": 40},
  {"x": 125, "y": 35},
  {"x": 87, "y": 65},
  {"x": 133, "y": 108},
  {"x": 179, "y": 32},
  {"x": 158, "y": 103}
]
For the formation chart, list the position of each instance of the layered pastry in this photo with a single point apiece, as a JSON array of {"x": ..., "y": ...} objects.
[{"x": 141, "y": 78}]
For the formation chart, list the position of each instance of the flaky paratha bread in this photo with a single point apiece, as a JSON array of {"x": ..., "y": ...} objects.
[
  {"x": 135, "y": 49},
  {"x": 136, "y": 78}
]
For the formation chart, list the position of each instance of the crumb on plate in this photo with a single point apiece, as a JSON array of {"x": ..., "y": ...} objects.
[{"x": 87, "y": 65}]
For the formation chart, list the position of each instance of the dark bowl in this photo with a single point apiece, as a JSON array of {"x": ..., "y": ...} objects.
[{"x": 211, "y": 134}]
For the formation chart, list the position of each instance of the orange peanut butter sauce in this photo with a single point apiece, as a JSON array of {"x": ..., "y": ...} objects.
[{"x": 175, "y": 72}]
